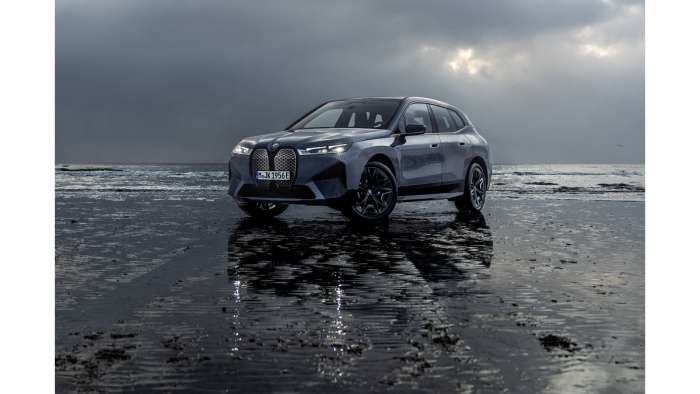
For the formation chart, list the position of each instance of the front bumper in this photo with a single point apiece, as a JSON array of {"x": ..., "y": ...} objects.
[{"x": 320, "y": 180}]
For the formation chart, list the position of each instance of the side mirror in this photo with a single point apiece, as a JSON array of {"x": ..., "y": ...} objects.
[{"x": 415, "y": 129}]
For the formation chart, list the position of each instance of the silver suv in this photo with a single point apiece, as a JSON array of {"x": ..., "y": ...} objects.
[{"x": 361, "y": 156}]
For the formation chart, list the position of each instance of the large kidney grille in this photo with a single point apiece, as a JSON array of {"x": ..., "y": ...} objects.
[{"x": 283, "y": 160}]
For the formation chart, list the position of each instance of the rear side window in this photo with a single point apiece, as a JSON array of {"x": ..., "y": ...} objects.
[
  {"x": 444, "y": 121},
  {"x": 418, "y": 114},
  {"x": 458, "y": 121}
]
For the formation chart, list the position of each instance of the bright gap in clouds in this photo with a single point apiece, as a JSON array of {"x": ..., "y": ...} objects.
[{"x": 464, "y": 60}]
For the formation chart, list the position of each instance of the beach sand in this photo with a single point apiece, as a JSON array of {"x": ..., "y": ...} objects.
[{"x": 532, "y": 296}]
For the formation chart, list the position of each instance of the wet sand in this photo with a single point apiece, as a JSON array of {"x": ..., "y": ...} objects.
[{"x": 531, "y": 296}]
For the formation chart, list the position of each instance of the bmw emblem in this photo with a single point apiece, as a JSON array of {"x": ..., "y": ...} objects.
[{"x": 274, "y": 146}]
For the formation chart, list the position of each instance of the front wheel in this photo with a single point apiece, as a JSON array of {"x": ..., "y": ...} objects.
[
  {"x": 474, "y": 195},
  {"x": 375, "y": 197},
  {"x": 262, "y": 210}
]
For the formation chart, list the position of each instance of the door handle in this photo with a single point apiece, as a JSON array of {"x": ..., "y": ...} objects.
[{"x": 434, "y": 145}]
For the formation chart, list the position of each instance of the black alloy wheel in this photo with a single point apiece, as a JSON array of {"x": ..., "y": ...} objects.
[
  {"x": 376, "y": 195},
  {"x": 475, "y": 190}
]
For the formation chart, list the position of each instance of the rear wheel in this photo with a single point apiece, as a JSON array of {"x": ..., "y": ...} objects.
[
  {"x": 474, "y": 195},
  {"x": 376, "y": 195},
  {"x": 262, "y": 210}
]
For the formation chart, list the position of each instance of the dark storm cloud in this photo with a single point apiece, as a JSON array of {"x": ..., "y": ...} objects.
[{"x": 166, "y": 81}]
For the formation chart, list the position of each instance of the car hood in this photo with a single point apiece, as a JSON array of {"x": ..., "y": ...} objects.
[{"x": 315, "y": 137}]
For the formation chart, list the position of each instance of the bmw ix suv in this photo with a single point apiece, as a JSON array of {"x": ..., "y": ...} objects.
[{"x": 361, "y": 156}]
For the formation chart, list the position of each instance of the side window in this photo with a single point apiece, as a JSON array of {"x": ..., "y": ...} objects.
[
  {"x": 418, "y": 114},
  {"x": 458, "y": 121},
  {"x": 444, "y": 121}
]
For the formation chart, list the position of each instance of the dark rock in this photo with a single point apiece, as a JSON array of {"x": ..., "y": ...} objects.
[
  {"x": 177, "y": 359},
  {"x": 355, "y": 349},
  {"x": 111, "y": 355},
  {"x": 63, "y": 360},
  {"x": 552, "y": 342},
  {"x": 120, "y": 336},
  {"x": 567, "y": 189},
  {"x": 173, "y": 343},
  {"x": 622, "y": 186},
  {"x": 446, "y": 339},
  {"x": 94, "y": 336}
]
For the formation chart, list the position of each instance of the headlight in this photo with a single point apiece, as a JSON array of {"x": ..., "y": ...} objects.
[
  {"x": 241, "y": 149},
  {"x": 318, "y": 150}
]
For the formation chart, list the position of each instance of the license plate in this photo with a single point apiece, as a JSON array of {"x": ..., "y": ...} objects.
[{"x": 272, "y": 175}]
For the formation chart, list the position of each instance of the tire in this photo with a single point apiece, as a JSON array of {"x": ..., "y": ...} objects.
[
  {"x": 376, "y": 196},
  {"x": 475, "y": 187},
  {"x": 262, "y": 210}
]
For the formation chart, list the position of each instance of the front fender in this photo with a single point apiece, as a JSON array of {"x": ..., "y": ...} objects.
[{"x": 366, "y": 150}]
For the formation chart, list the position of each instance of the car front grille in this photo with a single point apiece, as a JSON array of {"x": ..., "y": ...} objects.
[
  {"x": 259, "y": 161},
  {"x": 282, "y": 160},
  {"x": 286, "y": 160}
]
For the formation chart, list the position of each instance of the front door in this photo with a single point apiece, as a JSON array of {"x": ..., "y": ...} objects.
[{"x": 420, "y": 156}]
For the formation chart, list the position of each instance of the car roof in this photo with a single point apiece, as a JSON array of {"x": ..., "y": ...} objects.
[
  {"x": 369, "y": 98},
  {"x": 404, "y": 98},
  {"x": 429, "y": 101}
]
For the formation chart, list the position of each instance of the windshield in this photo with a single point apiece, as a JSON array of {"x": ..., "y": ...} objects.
[{"x": 352, "y": 114}]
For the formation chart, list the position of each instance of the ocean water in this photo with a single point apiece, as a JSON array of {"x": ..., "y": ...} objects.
[
  {"x": 624, "y": 182},
  {"x": 621, "y": 182}
]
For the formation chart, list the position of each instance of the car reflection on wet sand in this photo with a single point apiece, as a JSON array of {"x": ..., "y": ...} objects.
[
  {"x": 359, "y": 289},
  {"x": 439, "y": 251}
]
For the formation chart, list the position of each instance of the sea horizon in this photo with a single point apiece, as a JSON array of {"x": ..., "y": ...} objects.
[{"x": 224, "y": 162}]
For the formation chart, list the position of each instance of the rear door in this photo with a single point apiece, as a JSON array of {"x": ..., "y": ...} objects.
[
  {"x": 420, "y": 156},
  {"x": 454, "y": 145}
]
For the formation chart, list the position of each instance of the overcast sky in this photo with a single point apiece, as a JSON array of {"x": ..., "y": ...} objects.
[{"x": 182, "y": 81}]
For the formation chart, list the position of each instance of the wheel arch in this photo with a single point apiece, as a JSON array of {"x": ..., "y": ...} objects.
[
  {"x": 480, "y": 160},
  {"x": 380, "y": 154},
  {"x": 384, "y": 159}
]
